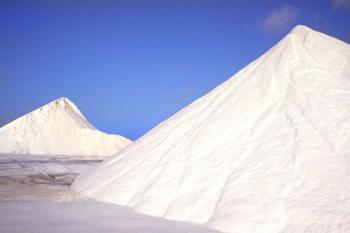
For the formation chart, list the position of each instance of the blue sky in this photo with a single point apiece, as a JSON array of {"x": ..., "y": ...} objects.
[{"x": 130, "y": 64}]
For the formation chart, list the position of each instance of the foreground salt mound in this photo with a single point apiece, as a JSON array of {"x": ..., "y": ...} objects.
[
  {"x": 268, "y": 151},
  {"x": 57, "y": 128}
]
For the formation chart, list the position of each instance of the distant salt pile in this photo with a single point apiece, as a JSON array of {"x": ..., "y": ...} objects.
[
  {"x": 268, "y": 151},
  {"x": 58, "y": 128}
]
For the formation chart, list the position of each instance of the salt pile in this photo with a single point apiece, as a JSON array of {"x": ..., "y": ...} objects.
[
  {"x": 58, "y": 128},
  {"x": 268, "y": 151}
]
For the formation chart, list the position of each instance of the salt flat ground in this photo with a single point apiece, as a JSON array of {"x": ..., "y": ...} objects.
[{"x": 35, "y": 197}]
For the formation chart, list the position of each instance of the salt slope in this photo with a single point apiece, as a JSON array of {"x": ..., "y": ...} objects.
[
  {"x": 265, "y": 152},
  {"x": 58, "y": 128}
]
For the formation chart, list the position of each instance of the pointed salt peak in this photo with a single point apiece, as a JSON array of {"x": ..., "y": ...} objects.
[
  {"x": 66, "y": 104},
  {"x": 301, "y": 29},
  {"x": 60, "y": 102},
  {"x": 298, "y": 35},
  {"x": 63, "y": 100}
]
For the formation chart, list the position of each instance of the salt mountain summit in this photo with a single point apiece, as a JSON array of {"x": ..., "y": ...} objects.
[
  {"x": 265, "y": 152},
  {"x": 58, "y": 128}
]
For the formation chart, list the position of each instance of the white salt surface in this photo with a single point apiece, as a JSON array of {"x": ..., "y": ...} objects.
[
  {"x": 83, "y": 217},
  {"x": 35, "y": 198},
  {"x": 268, "y": 151}
]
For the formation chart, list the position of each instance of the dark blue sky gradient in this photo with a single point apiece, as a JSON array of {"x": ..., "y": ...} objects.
[{"x": 128, "y": 65}]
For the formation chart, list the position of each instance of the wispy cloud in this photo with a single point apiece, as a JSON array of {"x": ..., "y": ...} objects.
[
  {"x": 280, "y": 19},
  {"x": 341, "y": 4}
]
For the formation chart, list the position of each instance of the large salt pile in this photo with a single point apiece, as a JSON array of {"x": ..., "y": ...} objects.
[
  {"x": 57, "y": 128},
  {"x": 268, "y": 151}
]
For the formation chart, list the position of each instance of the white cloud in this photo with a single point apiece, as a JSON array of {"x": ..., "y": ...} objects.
[
  {"x": 280, "y": 19},
  {"x": 341, "y": 3}
]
